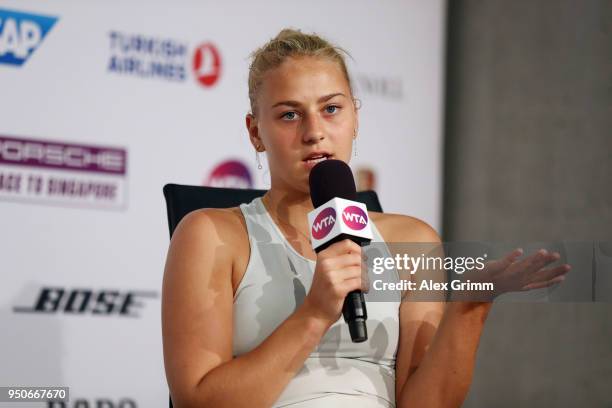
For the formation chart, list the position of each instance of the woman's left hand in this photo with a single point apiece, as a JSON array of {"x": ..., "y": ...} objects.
[{"x": 509, "y": 274}]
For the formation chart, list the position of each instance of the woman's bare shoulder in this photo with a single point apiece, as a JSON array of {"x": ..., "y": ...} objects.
[
  {"x": 216, "y": 225},
  {"x": 219, "y": 234},
  {"x": 214, "y": 239},
  {"x": 403, "y": 228}
]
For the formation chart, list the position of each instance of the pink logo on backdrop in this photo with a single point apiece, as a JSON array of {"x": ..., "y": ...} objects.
[
  {"x": 354, "y": 217},
  {"x": 230, "y": 174},
  {"x": 207, "y": 64},
  {"x": 323, "y": 223}
]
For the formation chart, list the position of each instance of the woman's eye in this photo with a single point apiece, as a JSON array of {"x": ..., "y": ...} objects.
[
  {"x": 289, "y": 115},
  {"x": 332, "y": 109}
]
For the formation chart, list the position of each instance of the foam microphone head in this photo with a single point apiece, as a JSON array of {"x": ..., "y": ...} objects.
[{"x": 330, "y": 179}]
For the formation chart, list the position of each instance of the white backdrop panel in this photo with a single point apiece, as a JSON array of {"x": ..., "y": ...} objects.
[{"x": 177, "y": 131}]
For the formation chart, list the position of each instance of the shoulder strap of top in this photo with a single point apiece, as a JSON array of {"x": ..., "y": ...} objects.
[{"x": 257, "y": 221}]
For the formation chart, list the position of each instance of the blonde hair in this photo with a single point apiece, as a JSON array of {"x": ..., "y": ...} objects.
[{"x": 290, "y": 43}]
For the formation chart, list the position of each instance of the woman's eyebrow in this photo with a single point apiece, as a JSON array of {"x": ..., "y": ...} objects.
[{"x": 296, "y": 103}]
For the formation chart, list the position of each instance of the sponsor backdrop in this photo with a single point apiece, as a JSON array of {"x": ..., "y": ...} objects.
[{"x": 105, "y": 102}]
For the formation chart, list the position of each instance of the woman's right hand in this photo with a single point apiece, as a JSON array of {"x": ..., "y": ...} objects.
[{"x": 338, "y": 272}]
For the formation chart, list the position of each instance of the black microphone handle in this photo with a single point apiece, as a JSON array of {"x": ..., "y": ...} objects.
[
  {"x": 354, "y": 308},
  {"x": 355, "y": 314}
]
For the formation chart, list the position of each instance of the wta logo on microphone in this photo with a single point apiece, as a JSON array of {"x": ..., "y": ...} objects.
[
  {"x": 354, "y": 217},
  {"x": 324, "y": 224}
]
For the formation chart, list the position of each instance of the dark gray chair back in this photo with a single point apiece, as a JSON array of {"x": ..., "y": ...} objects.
[{"x": 182, "y": 199}]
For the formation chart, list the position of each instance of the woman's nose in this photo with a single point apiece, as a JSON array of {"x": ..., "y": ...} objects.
[{"x": 313, "y": 130}]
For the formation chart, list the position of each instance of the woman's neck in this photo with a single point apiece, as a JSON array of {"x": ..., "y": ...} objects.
[{"x": 290, "y": 210}]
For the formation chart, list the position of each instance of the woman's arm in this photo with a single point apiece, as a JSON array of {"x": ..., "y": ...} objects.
[
  {"x": 197, "y": 302},
  {"x": 443, "y": 373},
  {"x": 438, "y": 341}
]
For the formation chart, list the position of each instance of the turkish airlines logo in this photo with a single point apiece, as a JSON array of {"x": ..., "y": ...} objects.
[
  {"x": 207, "y": 64},
  {"x": 354, "y": 217},
  {"x": 323, "y": 223}
]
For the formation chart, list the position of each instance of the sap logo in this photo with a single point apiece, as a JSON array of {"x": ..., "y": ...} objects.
[
  {"x": 354, "y": 217},
  {"x": 323, "y": 223},
  {"x": 87, "y": 301},
  {"x": 97, "y": 403},
  {"x": 21, "y": 34}
]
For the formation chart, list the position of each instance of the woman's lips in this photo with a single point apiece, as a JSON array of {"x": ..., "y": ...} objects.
[{"x": 310, "y": 163}]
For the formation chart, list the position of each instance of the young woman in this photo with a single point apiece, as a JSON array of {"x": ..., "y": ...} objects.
[{"x": 252, "y": 315}]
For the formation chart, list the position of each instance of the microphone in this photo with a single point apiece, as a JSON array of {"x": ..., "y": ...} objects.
[{"x": 338, "y": 216}]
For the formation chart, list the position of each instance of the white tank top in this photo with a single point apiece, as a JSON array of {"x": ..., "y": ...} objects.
[{"x": 338, "y": 373}]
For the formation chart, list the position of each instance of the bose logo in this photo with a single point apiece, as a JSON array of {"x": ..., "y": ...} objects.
[
  {"x": 20, "y": 35},
  {"x": 52, "y": 300}
]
